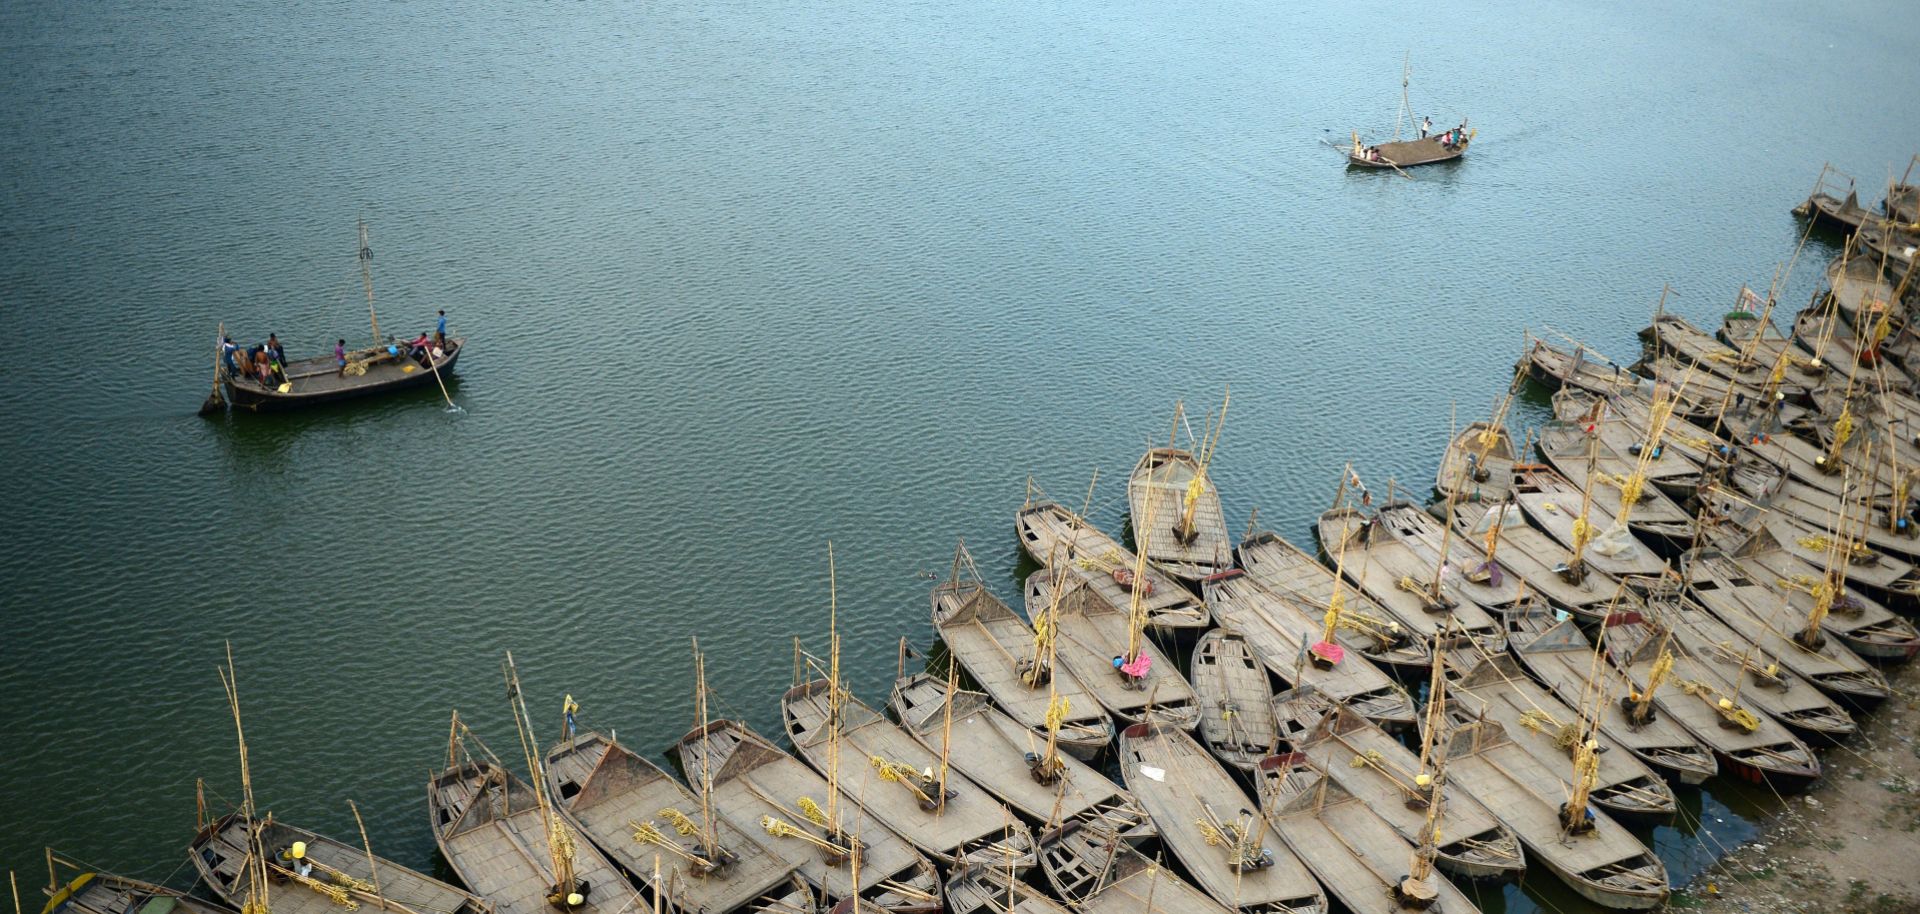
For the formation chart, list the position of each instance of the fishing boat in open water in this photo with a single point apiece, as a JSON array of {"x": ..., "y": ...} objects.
[
  {"x": 1426, "y": 149},
  {"x": 383, "y": 367}
]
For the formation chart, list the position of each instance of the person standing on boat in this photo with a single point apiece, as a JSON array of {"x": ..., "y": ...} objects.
[
  {"x": 1426, "y": 126},
  {"x": 227, "y": 348},
  {"x": 340, "y": 356},
  {"x": 440, "y": 332}
]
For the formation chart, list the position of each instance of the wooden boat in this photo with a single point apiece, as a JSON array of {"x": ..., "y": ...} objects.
[
  {"x": 981, "y": 889},
  {"x": 1867, "y": 568},
  {"x": 998, "y": 650},
  {"x": 1008, "y": 761},
  {"x": 1903, "y": 198},
  {"x": 1568, "y": 450},
  {"x": 1833, "y": 204},
  {"x": 1397, "y": 580},
  {"x": 1690, "y": 345},
  {"x": 1494, "y": 688},
  {"x": 1408, "y": 153},
  {"x": 1605, "y": 863},
  {"x": 1759, "y": 337},
  {"x": 1281, "y": 635},
  {"x": 1089, "y": 634},
  {"x": 969, "y": 826},
  {"x": 1861, "y": 623},
  {"x": 1370, "y": 764},
  {"x": 1762, "y": 680},
  {"x": 610, "y": 794},
  {"x": 1191, "y": 541},
  {"x": 1790, "y": 437},
  {"x": 1211, "y": 825},
  {"x": 337, "y": 871},
  {"x": 1552, "y": 503},
  {"x": 1481, "y": 459},
  {"x": 1357, "y": 855},
  {"x": 750, "y": 780},
  {"x": 1098, "y": 873},
  {"x": 1750, "y": 745},
  {"x": 1898, "y": 248},
  {"x": 1309, "y": 586},
  {"x": 1050, "y": 533},
  {"x": 1702, "y": 395},
  {"x": 1579, "y": 367},
  {"x": 1765, "y": 486},
  {"x": 1443, "y": 552},
  {"x": 1764, "y": 615},
  {"x": 104, "y": 893},
  {"x": 1536, "y": 559},
  {"x": 491, "y": 828},
  {"x": 1624, "y": 425},
  {"x": 1559, "y": 655},
  {"x": 383, "y": 368},
  {"x": 1236, "y": 702}
]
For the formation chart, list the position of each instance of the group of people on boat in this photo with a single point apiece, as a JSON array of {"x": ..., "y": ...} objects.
[
  {"x": 266, "y": 363},
  {"x": 1454, "y": 138}
]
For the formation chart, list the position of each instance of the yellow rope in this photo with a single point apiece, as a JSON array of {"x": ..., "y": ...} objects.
[
  {"x": 1746, "y": 719},
  {"x": 1057, "y": 712},
  {"x": 1370, "y": 757},
  {"x": 680, "y": 822},
  {"x": 812, "y": 811}
]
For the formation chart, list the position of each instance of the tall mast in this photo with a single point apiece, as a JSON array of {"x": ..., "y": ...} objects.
[
  {"x": 833, "y": 697},
  {"x": 254, "y": 899},
  {"x": 1198, "y": 485},
  {"x": 559, "y": 839},
  {"x": 708, "y": 839},
  {"x": 366, "y": 279},
  {"x": 1406, "y": 107}
]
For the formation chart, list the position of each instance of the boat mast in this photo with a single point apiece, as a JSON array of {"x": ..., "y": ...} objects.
[
  {"x": 708, "y": 839},
  {"x": 1198, "y": 484},
  {"x": 254, "y": 901},
  {"x": 366, "y": 279},
  {"x": 1406, "y": 107},
  {"x": 560, "y": 844}
]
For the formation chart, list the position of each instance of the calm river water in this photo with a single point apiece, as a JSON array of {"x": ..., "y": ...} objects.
[{"x": 743, "y": 279}]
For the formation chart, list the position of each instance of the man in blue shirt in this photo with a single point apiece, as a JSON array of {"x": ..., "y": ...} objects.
[{"x": 441, "y": 332}]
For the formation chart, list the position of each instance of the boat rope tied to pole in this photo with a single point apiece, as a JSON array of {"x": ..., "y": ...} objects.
[
  {"x": 337, "y": 894},
  {"x": 1732, "y": 716},
  {"x": 1057, "y": 712},
  {"x": 649, "y": 833},
  {"x": 811, "y": 809},
  {"x": 1565, "y": 735},
  {"x": 1242, "y": 854},
  {"x": 783, "y": 829}
]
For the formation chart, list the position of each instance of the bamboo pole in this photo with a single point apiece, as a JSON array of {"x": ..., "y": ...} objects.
[
  {"x": 373, "y": 865},
  {"x": 366, "y": 280},
  {"x": 946, "y": 735}
]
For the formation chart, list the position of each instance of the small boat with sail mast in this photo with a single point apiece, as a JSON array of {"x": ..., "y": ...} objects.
[
  {"x": 1014, "y": 665},
  {"x": 1403, "y": 583},
  {"x": 1426, "y": 149},
  {"x": 1792, "y": 636},
  {"x": 1679, "y": 338},
  {"x": 383, "y": 367},
  {"x": 1303, "y": 581},
  {"x": 1089, "y": 636},
  {"x": 1195, "y": 543},
  {"x": 1585, "y": 472},
  {"x": 1296, "y": 648},
  {"x": 1865, "y": 567},
  {"x": 1222, "y": 838},
  {"x": 1030, "y": 774},
  {"x": 1508, "y": 544},
  {"x": 1749, "y": 745},
  {"x": 503, "y": 838},
  {"x": 1374, "y": 766},
  {"x": 1495, "y": 688},
  {"x": 1364, "y": 862},
  {"x": 900, "y": 782},
  {"x": 1624, "y": 424},
  {"x": 1055, "y": 536},
  {"x": 1478, "y": 464},
  {"x": 749, "y": 779},
  {"x": 256, "y": 863},
  {"x": 1834, "y": 203},
  {"x": 1558, "y": 654}
]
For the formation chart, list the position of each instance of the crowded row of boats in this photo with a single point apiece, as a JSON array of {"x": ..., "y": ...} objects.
[{"x": 1694, "y": 571}]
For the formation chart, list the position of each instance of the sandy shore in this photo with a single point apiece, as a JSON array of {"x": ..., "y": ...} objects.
[{"x": 1851, "y": 844}]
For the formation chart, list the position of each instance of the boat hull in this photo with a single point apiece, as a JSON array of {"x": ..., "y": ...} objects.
[{"x": 254, "y": 398}]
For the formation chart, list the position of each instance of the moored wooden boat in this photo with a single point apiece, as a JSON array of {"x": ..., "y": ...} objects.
[
  {"x": 1399, "y": 581},
  {"x": 1236, "y": 702},
  {"x": 1535, "y": 558},
  {"x": 1865, "y": 626},
  {"x": 1051, "y": 534},
  {"x": 610, "y": 793},
  {"x": 492, "y": 830},
  {"x": 335, "y": 873},
  {"x": 1764, "y": 614},
  {"x": 1681, "y": 339},
  {"x": 1749, "y": 745},
  {"x": 981, "y": 889},
  {"x": 92, "y": 892},
  {"x": 1442, "y": 552},
  {"x": 1833, "y": 202},
  {"x": 1568, "y": 451},
  {"x": 1000, "y": 651},
  {"x": 1495, "y": 688},
  {"x": 1210, "y": 824},
  {"x": 969, "y": 826},
  {"x": 1300, "y": 579},
  {"x": 1477, "y": 464},
  {"x": 1580, "y": 368},
  {"x": 1191, "y": 541},
  {"x": 1604, "y": 862},
  {"x": 1372, "y": 765},
  {"x": 1089, "y": 634},
  {"x": 1623, "y": 424},
  {"x": 1010, "y": 762},
  {"x": 1558, "y": 654},
  {"x": 750, "y": 780},
  {"x": 1098, "y": 873},
  {"x": 1867, "y": 568},
  {"x": 1361, "y": 859},
  {"x": 1281, "y": 635}
]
